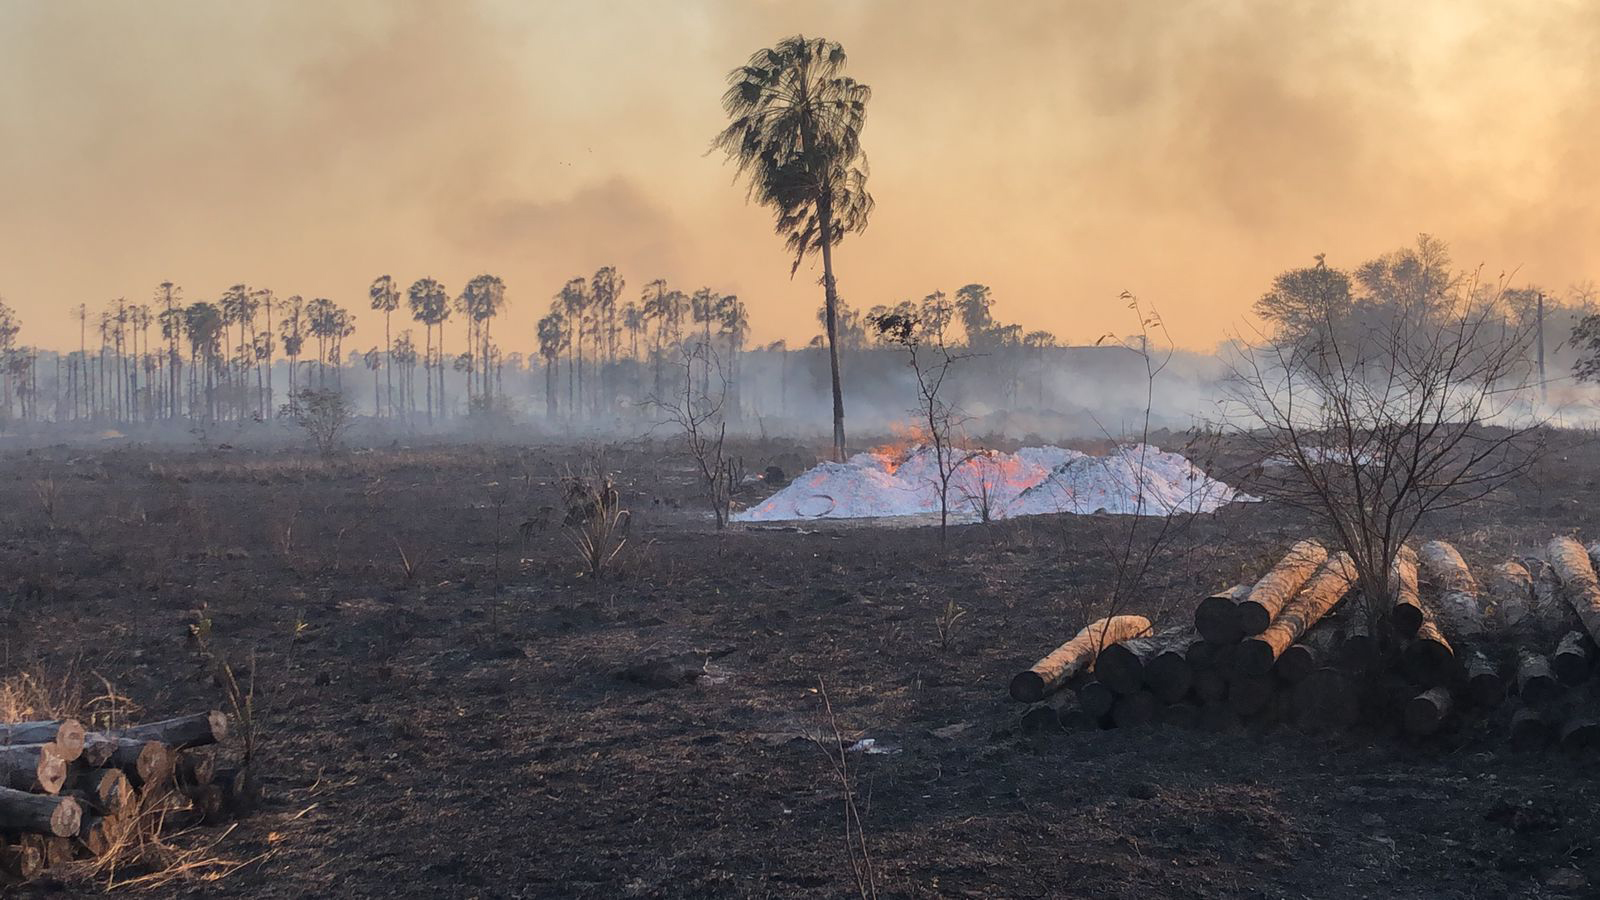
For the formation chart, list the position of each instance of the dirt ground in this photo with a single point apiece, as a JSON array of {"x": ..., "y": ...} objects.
[{"x": 495, "y": 724}]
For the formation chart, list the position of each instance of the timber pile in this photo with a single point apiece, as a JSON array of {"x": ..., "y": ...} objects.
[
  {"x": 1511, "y": 652},
  {"x": 68, "y": 794}
]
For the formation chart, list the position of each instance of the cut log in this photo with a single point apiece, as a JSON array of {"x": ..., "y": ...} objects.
[
  {"x": 1210, "y": 686},
  {"x": 1070, "y": 716},
  {"x": 23, "y": 860},
  {"x": 1075, "y": 656},
  {"x": 1311, "y": 652},
  {"x": 38, "y": 813},
  {"x": 1180, "y": 715},
  {"x": 1359, "y": 649},
  {"x": 108, "y": 791},
  {"x": 184, "y": 732},
  {"x": 194, "y": 768},
  {"x": 1510, "y": 595},
  {"x": 1327, "y": 699},
  {"x": 207, "y": 804},
  {"x": 1096, "y": 699},
  {"x": 98, "y": 834},
  {"x": 1428, "y": 658},
  {"x": 1168, "y": 674},
  {"x": 66, "y": 734},
  {"x": 1425, "y": 713},
  {"x": 1580, "y": 732},
  {"x": 1256, "y": 655},
  {"x": 1536, "y": 681},
  {"x": 1573, "y": 658},
  {"x": 1406, "y": 615},
  {"x": 1250, "y": 694},
  {"x": 145, "y": 762},
  {"x": 1579, "y": 586},
  {"x": 32, "y": 767},
  {"x": 1457, "y": 605},
  {"x": 1529, "y": 731},
  {"x": 1040, "y": 718},
  {"x": 1275, "y": 589},
  {"x": 1218, "y": 717},
  {"x": 58, "y": 851},
  {"x": 1485, "y": 687},
  {"x": 1121, "y": 666},
  {"x": 1217, "y": 619},
  {"x": 1136, "y": 709}
]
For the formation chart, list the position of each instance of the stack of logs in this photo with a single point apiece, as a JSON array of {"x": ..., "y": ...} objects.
[
  {"x": 68, "y": 794},
  {"x": 1305, "y": 645}
]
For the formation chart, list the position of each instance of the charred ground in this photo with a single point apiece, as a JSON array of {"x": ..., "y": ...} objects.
[{"x": 494, "y": 724}]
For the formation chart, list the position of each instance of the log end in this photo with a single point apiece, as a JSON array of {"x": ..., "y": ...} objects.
[
  {"x": 66, "y": 818},
  {"x": 1252, "y": 618},
  {"x": 69, "y": 739},
  {"x": 1406, "y": 618},
  {"x": 1253, "y": 658},
  {"x": 218, "y": 720},
  {"x": 52, "y": 770},
  {"x": 1027, "y": 687}
]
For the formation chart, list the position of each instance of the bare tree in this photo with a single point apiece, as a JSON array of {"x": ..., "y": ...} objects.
[
  {"x": 921, "y": 331},
  {"x": 701, "y": 424},
  {"x": 1373, "y": 426}
]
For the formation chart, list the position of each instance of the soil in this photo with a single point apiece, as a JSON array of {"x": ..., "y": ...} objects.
[{"x": 448, "y": 706}]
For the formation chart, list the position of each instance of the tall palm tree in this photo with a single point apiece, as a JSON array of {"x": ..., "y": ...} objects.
[
  {"x": 553, "y": 336},
  {"x": 794, "y": 131},
  {"x": 203, "y": 324},
  {"x": 604, "y": 289},
  {"x": 485, "y": 297},
  {"x": 573, "y": 302},
  {"x": 386, "y": 298},
  {"x": 294, "y": 335},
  {"x": 170, "y": 296},
  {"x": 430, "y": 305}
]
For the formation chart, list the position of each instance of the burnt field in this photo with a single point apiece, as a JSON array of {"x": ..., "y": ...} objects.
[{"x": 448, "y": 706}]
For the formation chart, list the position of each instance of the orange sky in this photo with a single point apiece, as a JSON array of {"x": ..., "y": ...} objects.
[{"x": 1059, "y": 151}]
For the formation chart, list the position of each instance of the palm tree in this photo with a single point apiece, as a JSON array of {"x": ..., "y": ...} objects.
[
  {"x": 482, "y": 300},
  {"x": 386, "y": 298},
  {"x": 374, "y": 361},
  {"x": 294, "y": 335},
  {"x": 430, "y": 305},
  {"x": 203, "y": 323},
  {"x": 405, "y": 353},
  {"x": 734, "y": 324},
  {"x": 553, "y": 337},
  {"x": 573, "y": 303},
  {"x": 795, "y": 133},
  {"x": 171, "y": 318},
  {"x": 604, "y": 289}
]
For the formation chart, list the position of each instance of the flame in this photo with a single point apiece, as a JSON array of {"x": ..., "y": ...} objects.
[{"x": 904, "y": 438}]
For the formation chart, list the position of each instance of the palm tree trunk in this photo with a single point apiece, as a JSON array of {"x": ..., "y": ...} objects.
[
  {"x": 388, "y": 362},
  {"x": 830, "y": 296}
]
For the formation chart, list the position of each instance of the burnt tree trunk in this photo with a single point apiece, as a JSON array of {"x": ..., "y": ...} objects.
[
  {"x": 1457, "y": 605},
  {"x": 66, "y": 734},
  {"x": 183, "y": 732},
  {"x": 32, "y": 767},
  {"x": 38, "y": 813},
  {"x": 1426, "y": 712},
  {"x": 1536, "y": 682}
]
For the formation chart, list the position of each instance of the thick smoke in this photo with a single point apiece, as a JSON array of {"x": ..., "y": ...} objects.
[{"x": 1059, "y": 151}]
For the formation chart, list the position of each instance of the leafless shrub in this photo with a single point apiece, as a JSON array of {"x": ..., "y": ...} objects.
[
  {"x": 697, "y": 414},
  {"x": 920, "y": 330},
  {"x": 863, "y": 873}
]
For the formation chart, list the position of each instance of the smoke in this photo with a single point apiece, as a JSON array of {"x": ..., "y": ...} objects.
[{"x": 1059, "y": 151}]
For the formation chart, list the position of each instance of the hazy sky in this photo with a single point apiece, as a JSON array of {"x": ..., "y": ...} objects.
[{"x": 1059, "y": 151}]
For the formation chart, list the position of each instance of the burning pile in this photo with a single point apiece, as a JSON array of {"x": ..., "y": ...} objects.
[
  {"x": 1137, "y": 479},
  {"x": 68, "y": 794},
  {"x": 1302, "y": 645}
]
